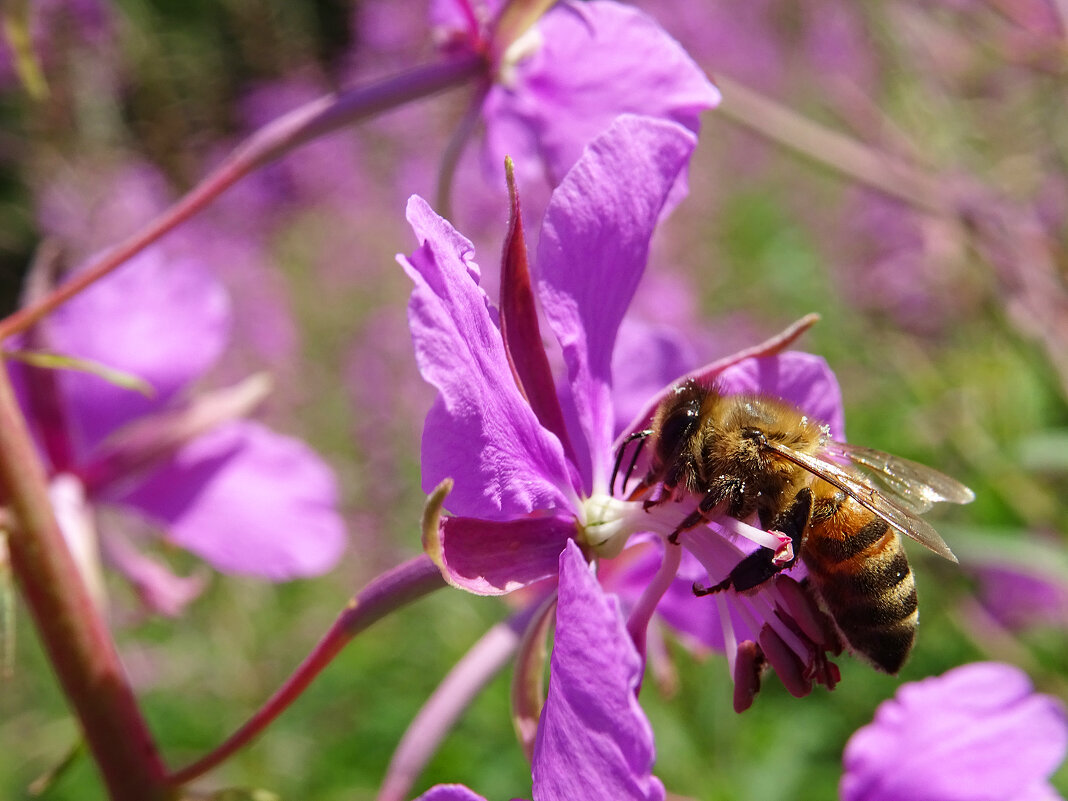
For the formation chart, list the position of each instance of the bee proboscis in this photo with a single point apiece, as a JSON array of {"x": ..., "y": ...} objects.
[{"x": 843, "y": 506}]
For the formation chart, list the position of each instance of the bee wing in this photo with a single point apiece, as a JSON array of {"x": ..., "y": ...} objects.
[
  {"x": 869, "y": 497},
  {"x": 916, "y": 486}
]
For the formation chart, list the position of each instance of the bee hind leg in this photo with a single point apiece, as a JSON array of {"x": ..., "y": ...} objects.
[{"x": 760, "y": 565}]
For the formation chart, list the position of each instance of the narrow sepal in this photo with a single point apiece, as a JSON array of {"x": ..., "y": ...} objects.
[{"x": 520, "y": 329}]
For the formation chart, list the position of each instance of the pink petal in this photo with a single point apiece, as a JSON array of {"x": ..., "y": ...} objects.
[
  {"x": 495, "y": 557},
  {"x": 592, "y": 252},
  {"x": 799, "y": 378},
  {"x": 596, "y": 61},
  {"x": 978, "y": 733},
  {"x": 165, "y": 320},
  {"x": 594, "y": 741},
  {"x": 521, "y": 330},
  {"x": 247, "y": 501},
  {"x": 157, "y": 586},
  {"x": 481, "y": 432}
]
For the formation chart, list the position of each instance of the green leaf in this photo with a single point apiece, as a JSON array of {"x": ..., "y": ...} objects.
[
  {"x": 57, "y": 361},
  {"x": 42, "y": 783}
]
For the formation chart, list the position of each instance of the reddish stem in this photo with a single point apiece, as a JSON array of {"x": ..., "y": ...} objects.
[
  {"x": 269, "y": 143},
  {"x": 706, "y": 374},
  {"x": 74, "y": 633},
  {"x": 388, "y": 592}
]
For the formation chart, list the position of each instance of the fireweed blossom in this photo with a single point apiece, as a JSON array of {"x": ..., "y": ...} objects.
[
  {"x": 594, "y": 741},
  {"x": 90, "y": 205},
  {"x": 1022, "y": 596},
  {"x": 531, "y": 472},
  {"x": 559, "y": 83},
  {"x": 239, "y": 496},
  {"x": 977, "y": 733}
]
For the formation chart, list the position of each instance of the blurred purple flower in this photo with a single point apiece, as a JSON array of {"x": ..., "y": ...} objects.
[
  {"x": 900, "y": 263},
  {"x": 386, "y": 395},
  {"x": 977, "y": 733},
  {"x": 737, "y": 39},
  {"x": 1036, "y": 16},
  {"x": 561, "y": 82},
  {"x": 241, "y": 497},
  {"x": 594, "y": 742},
  {"x": 780, "y": 47},
  {"x": 530, "y": 474},
  {"x": 452, "y": 792},
  {"x": 1022, "y": 594},
  {"x": 91, "y": 207}
]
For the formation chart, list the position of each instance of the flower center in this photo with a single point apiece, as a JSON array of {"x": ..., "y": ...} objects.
[{"x": 606, "y": 523}]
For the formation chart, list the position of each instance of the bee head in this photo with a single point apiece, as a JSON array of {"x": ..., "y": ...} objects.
[{"x": 676, "y": 422}]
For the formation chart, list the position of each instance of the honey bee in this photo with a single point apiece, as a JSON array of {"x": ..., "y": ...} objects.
[{"x": 750, "y": 454}]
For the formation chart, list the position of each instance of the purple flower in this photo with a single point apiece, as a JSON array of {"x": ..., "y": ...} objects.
[
  {"x": 897, "y": 262},
  {"x": 1023, "y": 596},
  {"x": 531, "y": 473},
  {"x": 92, "y": 206},
  {"x": 243, "y": 498},
  {"x": 977, "y": 733},
  {"x": 594, "y": 742},
  {"x": 451, "y": 792},
  {"x": 561, "y": 82},
  {"x": 1021, "y": 582},
  {"x": 593, "y": 739}
]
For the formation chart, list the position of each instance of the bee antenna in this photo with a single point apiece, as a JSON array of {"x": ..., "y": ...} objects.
[
  {"x": 641, "y": 436},
  {"x": 634, "y": 459}
]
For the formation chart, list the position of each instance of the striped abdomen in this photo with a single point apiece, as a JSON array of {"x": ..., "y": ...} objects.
[{"x": 858, "y": 564}]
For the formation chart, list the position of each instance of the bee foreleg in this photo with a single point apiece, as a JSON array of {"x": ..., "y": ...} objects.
[
  {"x": 760, "y": 566},
  {"x": 698, "y": 516},
  {"x": 700, "y": 591}
]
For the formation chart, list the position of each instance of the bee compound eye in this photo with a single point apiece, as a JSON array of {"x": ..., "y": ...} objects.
[
  {"x": 677, "y": 427},
  {"x": 674, "y": 431}
]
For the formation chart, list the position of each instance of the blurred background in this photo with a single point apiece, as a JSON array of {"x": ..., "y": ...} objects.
[{"x": 899, "y": 168}]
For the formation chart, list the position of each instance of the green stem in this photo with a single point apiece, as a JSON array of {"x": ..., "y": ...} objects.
[
  {"x": 386, "y": 593},
  {"x": 266, "y": 145},
  {"x": 73, "y": 631}
]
